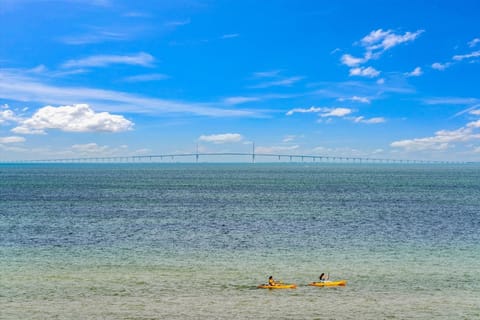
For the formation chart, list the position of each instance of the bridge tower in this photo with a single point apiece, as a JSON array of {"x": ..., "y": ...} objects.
[{"x": 253, "y": 152}]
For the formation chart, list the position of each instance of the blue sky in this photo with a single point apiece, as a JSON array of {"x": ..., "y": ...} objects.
[{"x": 387, "y": 79}]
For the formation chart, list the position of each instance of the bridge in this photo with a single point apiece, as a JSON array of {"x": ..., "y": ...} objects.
[{"x": 252, "y": 157}]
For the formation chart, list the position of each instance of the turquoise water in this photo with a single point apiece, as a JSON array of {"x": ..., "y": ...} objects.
[{"x": 152, "y": 241}]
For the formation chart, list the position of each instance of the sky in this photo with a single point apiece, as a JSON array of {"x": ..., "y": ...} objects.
[{"x": 384, "y": 79}]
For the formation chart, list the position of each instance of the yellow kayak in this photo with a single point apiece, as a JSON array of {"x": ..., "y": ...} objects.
[
  {"x": 339, "y": 283},
  {"x": 278, "y": 286}
]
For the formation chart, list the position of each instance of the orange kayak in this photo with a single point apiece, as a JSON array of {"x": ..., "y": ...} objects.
[
  {"x": 339, "y": 283},
  {"x": 278, "y": 286}
]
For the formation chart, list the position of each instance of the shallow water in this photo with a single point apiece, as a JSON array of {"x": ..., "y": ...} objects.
[{"x": 151, "y": 241}]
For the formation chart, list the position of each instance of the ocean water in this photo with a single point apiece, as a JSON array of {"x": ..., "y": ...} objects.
[{"x": 179, "y": 241}]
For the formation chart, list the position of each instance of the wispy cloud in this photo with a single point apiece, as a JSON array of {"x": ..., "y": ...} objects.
[
  {"x": 470, "y": 103},
  {"x": 146, "y": 77},
  {"x": 273, "y": 78},
  {"x": 177, "y": 23},
  {"x": 355, "y": 99},
  {"x": 375, "y": 120},
  {"x": 322, "y": 111},
  {"x": 230, "y": 36},
  {"x": 451, "y": 100},
  {"x": 140, "y": 59},
  {"x": 290, "y": 138},
  {"x": 380, "y": 41},
  {"x": 221, "y": 138},
  {"x": 12, "y": 139},
  {"x": 368, "y": 72},
  {"x": 415, "y": 73},
  {"x": 137, "y": 14},
  {"x": 240, "y": 100},
  {"x": 474, "y": 42},
  {"x": 363, "y": 90},
  {"x": 266, "y": 74},
  {"x": 19, "y": 87},
  {"x": 440, "y": 66},
  {"x": 95, "y": 36},
  {"x": 461, "y": 57},
  {"x": 284, "y": 82}
]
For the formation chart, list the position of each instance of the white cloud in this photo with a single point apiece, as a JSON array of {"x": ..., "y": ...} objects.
[
  {"x": 440, "y": 66},
  {"x": 7, "y": 115},
  {"x": 364, "y": 72},
  {"x": 384, "y": 40},
  {"x": 12, "y": 139},
  {"x": 415, "y": 73},
  {"x": 360, "y": 99},
  {"x": 303, "y": 110},
  {"x": 239, "y": 100},
  {"x": 475, "y": 112},
  {"x": 221, "y": 138},
  {"x": 474, "y": 124},
  {"x": 375, "y": 120},
  {"x": 461, "y": 57},
  {"x": 474, "y": 42},
  {"x": 442, "y": 139},
  {"x": 375, "y": 43},
  {"x": 324, "y": 112},
  {"x": 75, "y": 118},
  {"x": 336, "y": 112},
  {"x": 374, "y": 36},
  {"x": 146, "y": 77},
  {"x": 351, "y": 61},
  {"x": 140, "y": 59}
]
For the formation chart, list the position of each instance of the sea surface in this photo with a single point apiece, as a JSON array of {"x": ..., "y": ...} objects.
[{"x": 192, "y": 241}]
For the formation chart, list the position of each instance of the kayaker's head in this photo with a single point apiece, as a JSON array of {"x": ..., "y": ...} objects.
[{"x": 270, "y": 277}]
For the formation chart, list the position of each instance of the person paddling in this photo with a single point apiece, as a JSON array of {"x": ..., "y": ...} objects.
[
  {"x": 271, "y": 282},
  {"x": 323, "y": 277}
]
